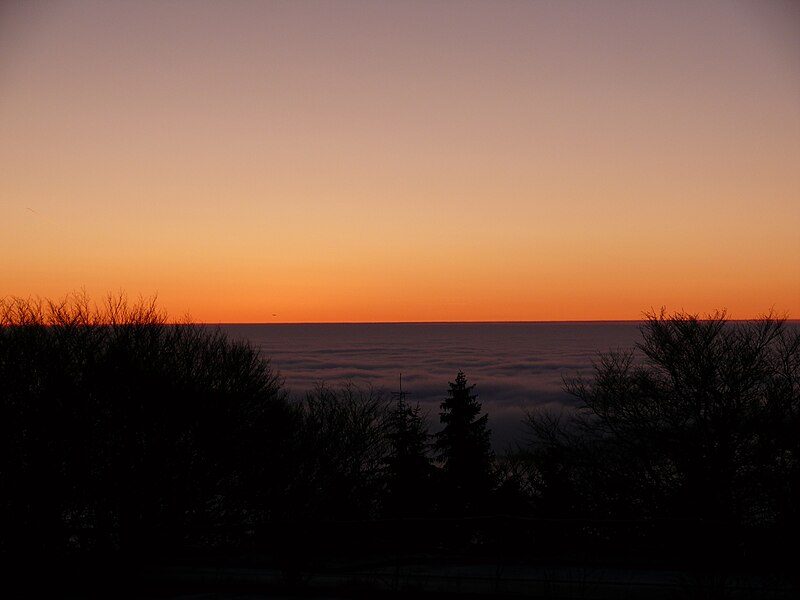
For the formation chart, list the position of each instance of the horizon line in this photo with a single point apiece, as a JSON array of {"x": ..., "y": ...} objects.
[
  {"x": 438, "y": 322},
  {"x": 477, "y": 322}
]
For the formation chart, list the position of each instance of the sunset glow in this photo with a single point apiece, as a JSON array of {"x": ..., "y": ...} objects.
[{"x": 403, "y": 161}]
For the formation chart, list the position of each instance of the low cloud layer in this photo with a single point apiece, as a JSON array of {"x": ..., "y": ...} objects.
[{"x": 515, "y": 366}]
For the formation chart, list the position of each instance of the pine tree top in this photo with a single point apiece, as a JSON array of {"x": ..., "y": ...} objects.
[
  {"x": 461, "y": 404},
  {"x": 464, "y": 433}
]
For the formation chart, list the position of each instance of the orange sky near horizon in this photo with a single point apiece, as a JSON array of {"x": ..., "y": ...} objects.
[{"x": 403, "y": 161}]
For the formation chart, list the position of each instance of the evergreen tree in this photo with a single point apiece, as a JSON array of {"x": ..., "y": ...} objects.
[
  {"x": 463, "y": 446},
  {"x": 408, "y": 468}
]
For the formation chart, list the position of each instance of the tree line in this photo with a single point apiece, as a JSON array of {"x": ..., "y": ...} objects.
[{"x": 125, "y": 435}]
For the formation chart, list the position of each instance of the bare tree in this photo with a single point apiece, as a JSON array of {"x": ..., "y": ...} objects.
[{"x": 700, "y": 421}]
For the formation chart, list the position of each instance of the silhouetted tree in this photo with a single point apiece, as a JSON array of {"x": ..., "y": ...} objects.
[
  {"x": 342, "y": 447},
  {"x": 701, "y": 422},
  {"x": 408, "y": 468},
  {"x": 337, "y": 456},
  {"x": 124, "y": 433},
  {"x": 464, "y": 450}
]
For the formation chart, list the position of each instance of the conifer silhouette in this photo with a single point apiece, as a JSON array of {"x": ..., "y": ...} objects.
[
  {"x": 408, "y": 467},
  {"x": 463, "y": 447}
]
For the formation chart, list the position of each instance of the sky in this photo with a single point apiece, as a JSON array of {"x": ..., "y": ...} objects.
[{"x": 403, "y": 161}]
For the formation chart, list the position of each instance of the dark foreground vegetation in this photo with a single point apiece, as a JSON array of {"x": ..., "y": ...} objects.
[{"x": 130, "y": 445}]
